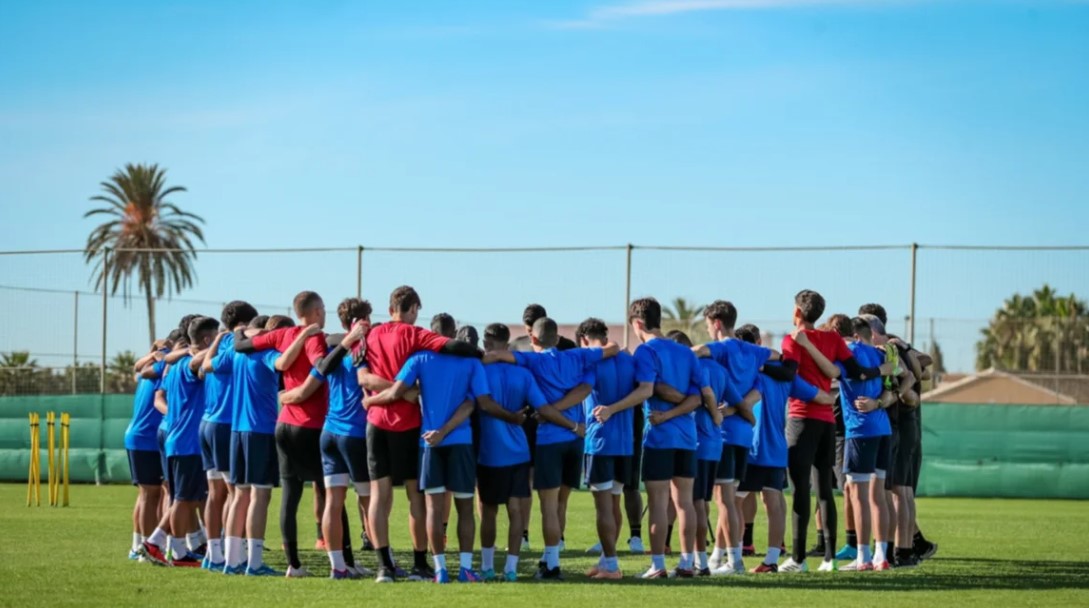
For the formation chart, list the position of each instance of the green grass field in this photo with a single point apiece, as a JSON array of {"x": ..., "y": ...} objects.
[{"x": 993, "y": 553}]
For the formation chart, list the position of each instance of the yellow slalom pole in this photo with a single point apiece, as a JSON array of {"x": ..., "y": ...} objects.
[
  {"x": 33, "y": 456},
  {"x": 37, "y": 459},
  {"x": 66, "y": 423}
]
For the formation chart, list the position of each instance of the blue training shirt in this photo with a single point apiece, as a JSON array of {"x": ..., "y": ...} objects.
[
  {"x": 662, "y": 360},
  {"x": 445, "y": 382},
  {"x": 708, "y": 434},
  {"x": 503, "y": 444},
  {"x": 219, "y": 407},
  {"x": 614, "y": 379},
  {"x": 256, "y": 390},
  {"x": 858, "y": 424},
  {"x": 346, "y": 415},
  {"x": 557, "y": 372},
  {"x": 142, "y": 429},
  {"x": 184, "y": 408},
  {"x": 769, "y": 446}
]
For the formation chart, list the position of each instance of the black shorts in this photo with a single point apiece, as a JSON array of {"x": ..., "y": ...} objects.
[
  {"x": 917, "y": 460},
  {"x": 902, "y": 463},
  {"x": 841, "y": 446},
  {"x": 530, "y": 429},
  {"x": 448, "y": 468},
  {"x": 215, "y": 446},
  {"x": 187, "y": 480},
  {"x": 731, "y": 467},
  {"x": 867, "y": 455},
  {"x": 664, "y": 465},
  {"x": 160, "y": 436},
  {"x": 393, "y": 454},
  {"x": 253, "y": 460},
  {"x": 344, "y": 455},
  {"x": 706, "y": 472},
  {"x": 497, "y": 485},
  {"x": 604, "y": 472},
  {"x": 558, "y": 464},
  {"x": 638, "y": 424},
  {"x": 145, "y": 467},
  {"x": 299, "y": 451},
  {"x": 758, "y": 478}
]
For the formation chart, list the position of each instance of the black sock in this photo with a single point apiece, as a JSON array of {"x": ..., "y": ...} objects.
[
  {"x": 820, "y": 542},
  {"x": 637, "y": 531},
  {"x": 852, "y": 539},
  {"x": 904, "y": 554},
  {"x": 346, "y": 539},
  {"x": 747, "y": 537},
  {"x": 320, "y": 535},
  {"x": 385, "y": 557},
  {"x": 669, "y": 535},
  {"x": 419, "y": 559},
  {"x": 525, "y": 535},
  {"x": 445, "y": 524}
]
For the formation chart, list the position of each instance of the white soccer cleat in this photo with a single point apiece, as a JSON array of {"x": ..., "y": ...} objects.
[
  {"x": 715, "y": 563},
  {"x": 293, "y": 572},
  {"x": 851, "y": 567},
  {"x": 725, "y": 570},
  {"x": 525, "y": 544},
  {"x": 635, "y": 545},
  {"x": 828, "y": 566},
  {"x": 360, "y": 572},
  {"x": 739, "y": 567},
  {"x": 595, "y": 549},
  {"x": 790, "y": 566},
  {"x": 654, "y": 574}
]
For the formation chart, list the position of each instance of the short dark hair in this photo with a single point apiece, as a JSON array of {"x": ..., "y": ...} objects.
[
  {"x": 680, "y": 337},
  {"x": 748, "y": 333},
  {"x": 468, "y": 333},
  {"x": 403, "y": 299},
  {"x": 351, "y": 310},
  {"x": 546, "y": 332},
  {"x": 202, "y": 327},
  {"x": 183, "y": 325},
  {"x": 876, "y": 310},
  {"x": 279, "y": 322},
  {"x": 647, "y": 310},
  {"x": 532, "y": 313},
  {"x": 841, "y": 324},
  {"x": 444, "y": 325},
  {"x": 861, "y": 327},
  {"x": 258, "y": 322},
  {"x": 497, "y": 333},
  {"x": 592, "y": 329},
  {"x": 176, "y": 335},
  {"x": 811, "y": 304},
  {"x": 237, "y": 313},
  {"x": 723, "y": 312},
  {"x": 305, "y": 301}
]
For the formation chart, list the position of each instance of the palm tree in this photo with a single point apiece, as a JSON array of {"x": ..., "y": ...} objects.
[
  {"x": 18, "y": 373},
  {"x": 683, "y": 312},
  {"x": 120, "y": 376},
  {"x": 144, "y": 234},
  {"x": 1044, "y": 332}
]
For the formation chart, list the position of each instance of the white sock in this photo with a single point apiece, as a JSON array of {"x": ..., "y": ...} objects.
[
  {"x": 487, "y": 558},
  {"x": 194, "y": 541},
  {"x": 865, "y": 556},
  {"x": 245, "y": 546},
  {"x": 157, "y": 538},
  {"x": 686, "y": 561},
  {"x": 552, "y": 557},
  {"x": 234, "y": 552},
  {"x": 735, "y": 555},
  {"x": 881, "y": 552},
  {"x": 177, "y": 545},
  {"x": 255, "y": 553},
  {"x": 202, "y": 536},
  {"x": 215, "y": 550},
  {"x": 465, "y": 560},
  {"x": 718, "y": 554},
  {"x": 772, "y": 556},
  {"x": 703, "y": 559},
  {"x": 137, "y": 541},
  {"x": 512, "y": 564},
  {"x": 336, "y": 559},
  {"x": 440, "y": 562}
]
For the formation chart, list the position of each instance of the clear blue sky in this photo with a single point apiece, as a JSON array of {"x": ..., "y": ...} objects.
[{"x": 728, "y": 122}]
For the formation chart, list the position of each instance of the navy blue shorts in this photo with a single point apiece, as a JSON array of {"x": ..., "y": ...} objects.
[
  {"x": 866, "y": 455},
  {"x": 758, "y": 478},
  {"x": 664, "y": 465},
  {"x": 731, "y": 467},
  {"x": 449, "y": 467},
  {"x": 558, "y": 464},
  {"x": 145, "y": 467},
  {"x": 215, "y": 446},
  {"x": 706, "y": 473},
  {"x": 187, "y": 480},
  {"x": 253, "y": 459},
  {"x": 607, "y": 470},
  {"x": 344, "y": 454},
  {"x": 160, "y": 436},
  {"x": 497, "y": 485}
]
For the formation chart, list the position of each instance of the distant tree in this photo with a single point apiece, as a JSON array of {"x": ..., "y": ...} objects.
[
  {"x": 18, "y": 373},
  {"x": 682, "y": 313},
  {"x": 1042, "y": 332},
  {"x": 935, "y": 353},
  {"x": 119, "y": 375}
]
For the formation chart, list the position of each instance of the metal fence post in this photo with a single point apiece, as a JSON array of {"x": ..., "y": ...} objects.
[
  {"x": 359, "y": 272},
  {"x": 627, "y": 297},
  {"x": 75, "y": 339},
  {"x": 105, "y": 307},
  {"x": 911, "y": 309}
]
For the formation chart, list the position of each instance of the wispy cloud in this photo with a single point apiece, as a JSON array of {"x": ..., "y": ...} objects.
[{"x": 606, "y": 15}]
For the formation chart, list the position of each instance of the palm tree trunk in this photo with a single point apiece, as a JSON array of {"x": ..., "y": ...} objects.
[{"x": 150, "y": 313}]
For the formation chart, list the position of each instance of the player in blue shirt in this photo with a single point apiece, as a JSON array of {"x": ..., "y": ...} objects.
[
  {"x": 503, "y": 464},
  {"x": 142, "y": 447},
  {"x": 449, "y": 387},
  {"x": 566, "y": 380},
  {"x": 669, "y": 455},
  {"x": 608, "y": 444},
  {"x": 215, "y": 425}
]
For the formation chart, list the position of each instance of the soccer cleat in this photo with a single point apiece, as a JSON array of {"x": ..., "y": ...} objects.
[
  {"x": 186, "y": 561},
  {"x": 544, "y": 574},
  {"x": 724, "y": 570},
  {"x": 214, "y": 567},
  {"x": 739, "y": 568},
  {"x": 748, "y": 551},
  {"x": 855, "y": 566},
  {"x": 264, "y": 570},
  {"x": 367, "y": 544},
  {"x": 340, "y": 575},
  {"x": 384, "y": 575},
  {"x": 766, "y": 569},
  {"x": 525, "y": 544},
  {"x": 605, "y": 575},
  {"x": 134, "y": 555},
  {"x": 906, "y": 562},
  {"x": 488, "y": 576},
  {"x": 828, "y": 566},
  {"x": 399, "y": 572},
  {"x": 466, "y": 575},
  {"x": 204, "y": 563},
  {"x": 421, "y": 573},
  {"x": 200, "y": 551},
  {"x": 319, "y": 545},
  {"x": 635, "y": 545},
  {"x": 595, "y": 549},
  {"x": 816, "y": 551},
  {"x": 154, "y": 554},
  {"x": 715, "y": 563},
  {"x": 654, "y": 574},
  {"x": 704, "y": 572},
  {"x": 442, "y": 577},
  {"x": 510, "y": 576},
  {"x": 238, "y": 570},
  {"x": 358, "y": 571},
  {"x": 293, "y": 572},
  {"x": 682, "y": 573},
  {"x": 847, "y": 553},
  {"x": 925, "y": 550},
  {"x": 792, "y": 566},
  {"x": 881, "y": 566}
]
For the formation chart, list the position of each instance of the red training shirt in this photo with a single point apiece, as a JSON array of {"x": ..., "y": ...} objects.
[
  {"x": 389, "y": 345},
  {"x": 832, "y": 346},
  {"x": 310, "y": 413}
]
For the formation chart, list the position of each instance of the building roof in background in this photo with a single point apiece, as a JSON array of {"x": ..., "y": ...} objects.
[{"x": 995, "y": 386}]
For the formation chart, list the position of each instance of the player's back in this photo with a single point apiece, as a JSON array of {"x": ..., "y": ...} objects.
[
  {"x": 346, "y": 415},
  {"x": 614, "y": 379},
  {"x": 769, "y": 446},
  {"x": 140, "y": 434},
  {"x": 255, "y": 387},
  {"x": 185, "y": 406},
  {"x": 708, "y": 434},
  {"x": 513, "y": 388},
  {"x": 857, "y": 423},
  {"x": 446, "y": 382},
  {"x": 665, "y": 361},
  {"x": 218, "y": 387}
]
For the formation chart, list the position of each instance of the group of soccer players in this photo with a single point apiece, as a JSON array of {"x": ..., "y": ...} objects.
[{"x": 225, "y": 410}]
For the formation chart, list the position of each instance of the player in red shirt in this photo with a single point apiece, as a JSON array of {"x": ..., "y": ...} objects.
[
  {"x": 811, "y": 428},
  {"x": 393, "y": 430}
]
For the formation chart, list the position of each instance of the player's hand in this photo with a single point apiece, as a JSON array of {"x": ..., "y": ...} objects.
[
  {"x": 656, "y": 418},
  {"x": 289, "y": 397},
  {"x": 360, "y": 329},
  {"x": 312, "y": 330},
  {"x": 602, "y": 413},
  {"x": 718, "y": 415},
  {"x": 433, "y": 438},
  {"x": 865, "y": 404},
  {"x": 158, "y": 355},
  {"x": 580, "y": 430},
  {"x": 800, "y": 337}
]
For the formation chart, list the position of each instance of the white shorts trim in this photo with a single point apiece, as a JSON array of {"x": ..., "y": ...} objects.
[
  {"x": 260, "y": 487},
  {"x": 605, "y": 486},
  {"x": 340, "y": 480},
  {"x": 859, "y": 477},
  {"x": 438, "y": 490},
  {"x": 725, "y": 482},
  {"x": 880, "y": 473},
  {"x": 362, "y": 488},
  {"x": 618, "y": 488},
  {"x": 213, "y": 475},
  {"x": 463, "y": 495},
  {"x": 741, "y": 494}
]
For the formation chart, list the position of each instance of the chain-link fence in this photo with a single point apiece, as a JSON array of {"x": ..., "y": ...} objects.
[{"x": 974, "y": 308}]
